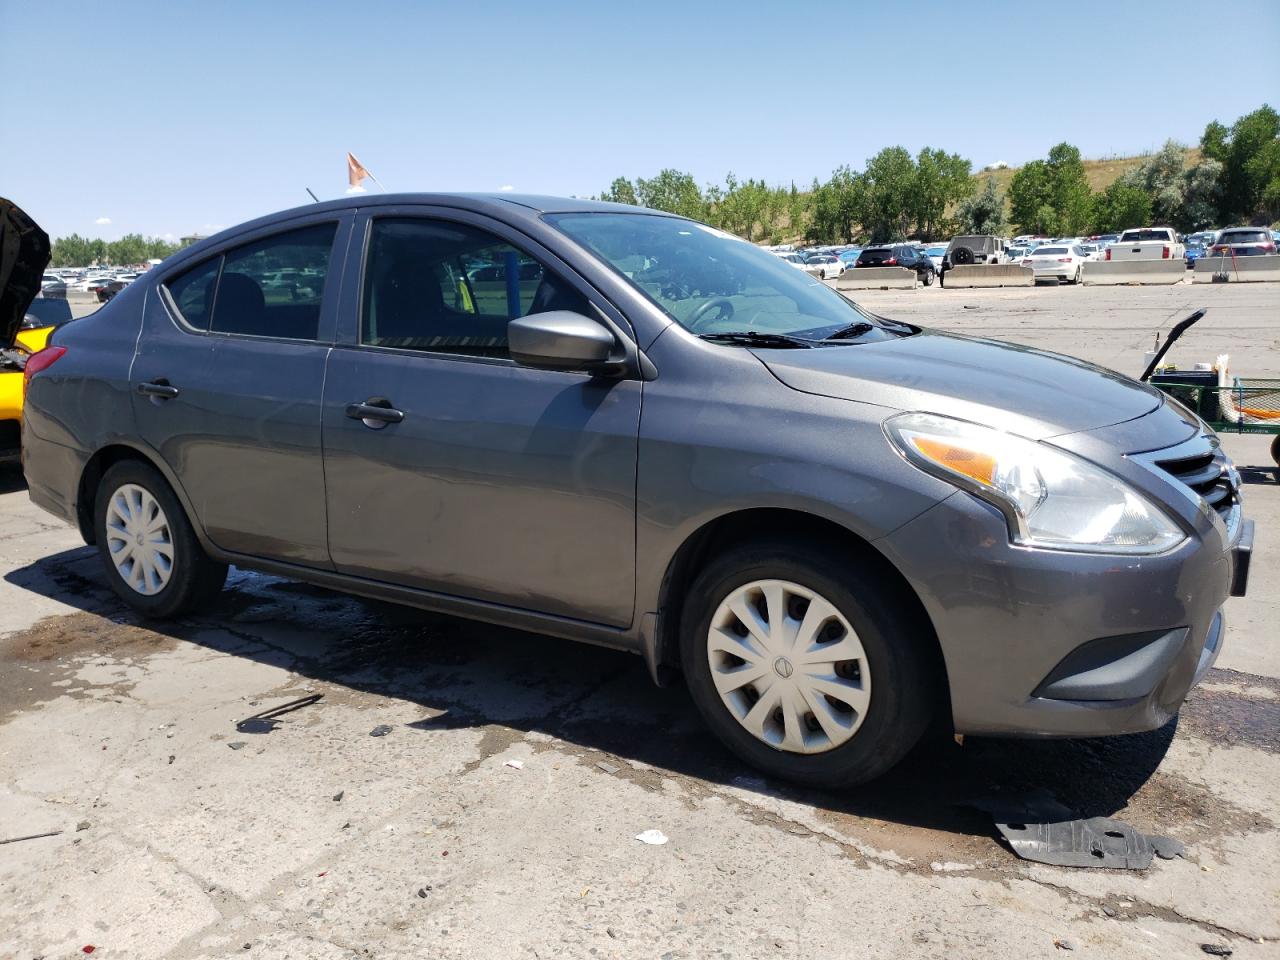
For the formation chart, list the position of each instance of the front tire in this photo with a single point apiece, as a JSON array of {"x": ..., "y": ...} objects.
[
  {"x": 152, "y": 558},
  {"x": 806, "y": 665}
]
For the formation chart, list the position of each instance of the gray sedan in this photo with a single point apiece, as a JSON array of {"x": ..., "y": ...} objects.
[{"x": 628, "y": 428}]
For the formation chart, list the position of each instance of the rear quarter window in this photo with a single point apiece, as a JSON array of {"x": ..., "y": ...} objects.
[{"x": 192, "y": 292}]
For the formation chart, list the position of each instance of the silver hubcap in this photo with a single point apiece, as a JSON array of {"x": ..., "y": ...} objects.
[
  {"x": 139, "y": 540},
  {"x": 789, "y": 666}
]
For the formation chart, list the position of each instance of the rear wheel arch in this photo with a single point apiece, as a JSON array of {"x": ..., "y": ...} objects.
[
  {"x": 744, "y": 527},
  {"x": 102, "y": 461}
]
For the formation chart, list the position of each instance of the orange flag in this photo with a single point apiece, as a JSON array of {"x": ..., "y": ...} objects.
[{"x": 355, "y": 170}]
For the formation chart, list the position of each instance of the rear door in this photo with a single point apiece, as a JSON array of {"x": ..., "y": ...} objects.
[
  {"x": 228, "y": 380},
  {"x": 484, "y": 480}
]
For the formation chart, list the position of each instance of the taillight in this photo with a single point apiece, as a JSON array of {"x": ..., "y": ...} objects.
[
  {"x": 1064, "y": 259},
  {"x": 1108, "y": 257},
  {"x": 41, "y": 360},
  {"x": 1269, "y": 246},
  {"x": 891, "y": 261},
  {"x": 1166, "y": 253},
  {"x": 1026, "y": 262}
]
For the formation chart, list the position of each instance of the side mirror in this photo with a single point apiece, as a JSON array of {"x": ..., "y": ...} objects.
[{"x": 560, "y": 340}]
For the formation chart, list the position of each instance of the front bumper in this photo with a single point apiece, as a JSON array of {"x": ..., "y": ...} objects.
[{"x": 1049, "y": 643}]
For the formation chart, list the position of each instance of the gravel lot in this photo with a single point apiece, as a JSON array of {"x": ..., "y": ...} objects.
[{"x": 185, "y": 838}]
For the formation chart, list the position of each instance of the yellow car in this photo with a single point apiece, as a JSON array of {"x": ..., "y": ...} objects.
[
  {"x": 26, "y": 318},
  {"x": 28, "y": 340}
]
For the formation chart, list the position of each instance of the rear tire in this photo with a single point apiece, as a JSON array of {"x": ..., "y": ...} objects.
[
  {"x": 875, "y": 638},
  {"x": 1275, "y": 449},
  {"x": 928, "y": 278},
  {"x": 152, "y": 558}
]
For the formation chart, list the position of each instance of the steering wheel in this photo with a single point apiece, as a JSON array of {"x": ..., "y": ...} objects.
[{"x": 722, "y": 305}]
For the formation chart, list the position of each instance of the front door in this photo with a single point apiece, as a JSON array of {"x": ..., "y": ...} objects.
[
  {"x": 227, "y": 385},
  {"x": 462, "y": 472}
]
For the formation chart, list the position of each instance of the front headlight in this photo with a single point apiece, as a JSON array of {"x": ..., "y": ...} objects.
[{"x": 1051, "y": 498}]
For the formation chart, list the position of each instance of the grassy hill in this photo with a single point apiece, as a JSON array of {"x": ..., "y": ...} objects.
[{"x": 1101, "y": 173}]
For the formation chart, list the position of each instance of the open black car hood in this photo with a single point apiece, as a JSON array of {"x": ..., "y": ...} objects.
[{"x": 24, "y": 253}]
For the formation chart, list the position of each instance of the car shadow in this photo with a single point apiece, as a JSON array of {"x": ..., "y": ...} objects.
[
  {"x": 11, "y": 478},
  {"x": 465, "y": 675}
]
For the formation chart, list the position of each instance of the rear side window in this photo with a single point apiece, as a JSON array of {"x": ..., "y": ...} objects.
[
  {"x": 192, "y": 292},
  {"x": 273, "y": 287}
]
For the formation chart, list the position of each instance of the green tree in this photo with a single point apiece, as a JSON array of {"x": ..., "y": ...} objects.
[
  {"x": 131, "y": 248},
  {"x": 1250, "y": 158},
  {"x": 941, "y": 179},
  {"x": 1030, "y": 195},
  {"x": 72, "y": 251},
  {"x": 1052, "y": 196},
  {"x": 1120, "y": 206},
  {"x": 837, "y": 207},
  {"x": 982, "y": 212},
  {"x": 1070, "y": 193},
  {"x": 621, "y": 191},
  {"x": 672, "y": 191},
  {"x": 890, "y": 195}
]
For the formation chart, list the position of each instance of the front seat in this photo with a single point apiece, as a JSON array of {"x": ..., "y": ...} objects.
[{"x": 240, "y": 306}]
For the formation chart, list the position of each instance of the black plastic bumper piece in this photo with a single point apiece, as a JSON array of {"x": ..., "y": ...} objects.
[
  {"x": 1241, "y": 554},
  {"x": 1114, "y": 668}
]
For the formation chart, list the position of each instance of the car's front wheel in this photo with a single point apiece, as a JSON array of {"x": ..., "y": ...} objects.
[
  {"x": 152, "y": 558},
  {"x": 807, "y": 666}
]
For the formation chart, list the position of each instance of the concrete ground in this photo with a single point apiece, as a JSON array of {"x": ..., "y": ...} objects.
[{"x": 497, "y": 816}]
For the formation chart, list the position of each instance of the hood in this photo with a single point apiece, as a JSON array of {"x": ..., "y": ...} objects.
[
  {"x": 24, "y": 253},
  {"x": 1030, "y": 392}
]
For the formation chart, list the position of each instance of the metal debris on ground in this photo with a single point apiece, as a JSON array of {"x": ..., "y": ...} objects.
[
  {"x": 1039, "y": 828},
  {"x": 337, "y": 797},
  {"x": 266, "y": 721},
  {"x": 607, "y": 767},
  {"x": 237, "y": 745},
  {"x": 1216, "y": 950},
  {"x": 381, "y": 730},
  {"x": 654, "y": 837},
  {"x": 516, "y": 764},
  {"x": 31, "y": 836}
]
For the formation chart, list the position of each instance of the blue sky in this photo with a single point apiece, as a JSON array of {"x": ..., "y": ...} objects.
[{"x": 167, "y": 118}]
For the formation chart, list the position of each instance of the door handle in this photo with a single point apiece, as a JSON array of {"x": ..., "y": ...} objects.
[
  {"x": 160, "y": 387},
  {"x": 375, "y": 413}
]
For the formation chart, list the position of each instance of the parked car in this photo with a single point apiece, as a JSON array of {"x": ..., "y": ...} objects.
[
  {"x": 1194, "y": 252},
  {"x": 936, "y": 255},
  {"x": 899, "y": 255},
  {"x": 824, "y": 266},
  {"x": 963, "y": 251},
  {"x": 1056, "y": 263},
  {"x": 1090, "y": 251},
  {"x": 834, "y": 525},
  {"x": 1147, "y": 243},
  {"x": 1244, "y": 242}
]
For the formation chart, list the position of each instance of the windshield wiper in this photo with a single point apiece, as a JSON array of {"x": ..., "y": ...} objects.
[
  {"x": 851, "y": 331},
  {"x": 753, "y": 338}
]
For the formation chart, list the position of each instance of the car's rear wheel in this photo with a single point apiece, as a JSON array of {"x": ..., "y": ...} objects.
[
  {"x": 928, "y": 278},
  {"x": 152, "y": 558},
  {"x": 807, "y": 666}
]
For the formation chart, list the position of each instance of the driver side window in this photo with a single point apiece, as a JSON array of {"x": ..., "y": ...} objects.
[{"x": 446, "y": 287}]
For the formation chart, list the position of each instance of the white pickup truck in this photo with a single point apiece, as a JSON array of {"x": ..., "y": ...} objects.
[{"x": 1147, "y": 243}]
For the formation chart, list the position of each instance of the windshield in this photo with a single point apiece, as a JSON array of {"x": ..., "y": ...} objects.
[{"x": 709, "y": 281}]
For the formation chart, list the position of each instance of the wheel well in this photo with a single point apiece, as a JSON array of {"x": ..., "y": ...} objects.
[
  {"x": 745, "y": 526},
  {"x": 91, "y": 476}
]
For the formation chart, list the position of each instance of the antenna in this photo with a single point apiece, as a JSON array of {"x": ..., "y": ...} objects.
[{"x": 313, "y": 196}]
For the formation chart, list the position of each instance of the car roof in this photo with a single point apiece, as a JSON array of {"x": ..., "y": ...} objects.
[{"x": 503, "y": 205}]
